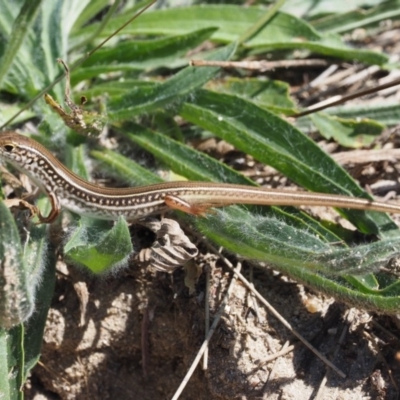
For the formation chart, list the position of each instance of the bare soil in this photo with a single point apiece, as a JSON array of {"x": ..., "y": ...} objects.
[{"x": 101, "y": 344}]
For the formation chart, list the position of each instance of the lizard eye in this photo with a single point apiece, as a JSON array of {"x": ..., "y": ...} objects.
[{"x": 9, "y": 148}]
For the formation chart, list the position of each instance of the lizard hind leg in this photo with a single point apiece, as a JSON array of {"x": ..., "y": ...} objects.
[{"x": 176, "y": 203}]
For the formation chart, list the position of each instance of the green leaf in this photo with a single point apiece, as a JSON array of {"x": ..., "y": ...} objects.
[
  {"x": 93, "y": 244},
  {"x": 387, "y": 114},
  {"x": 306, "y": 259},
  {"x": 14, "y": 71},
  {"x": 347, "y": 132},
  {"x": 357, "y": 18},
  {"x": 16, "y": 306},
  {"x": 40, "y": 258},
  {"x": 16, "y": 298},
  {"x": 95, "y": 71},
  {"x": 150, "y": 53},
  {"x": 310, "y": 9},
  {"x": 116, "y": 88},
  {"x": 9, "y": 110},
  {"x": 270, "y": 94},
  {"x": 174, "y": 89},
  {"x": 20, "y": 29},
  {"x": 284, "y": 31},
  {"x": 124, "y": 169},
  {"x": 11, "y": 357},
  {"x": 99, "y": 248},
  {"x": 76, "y": 158},
  {"x": 364, "y": 283},
  {"x": 183, "y": 159},
  {"x": 92, "y": 8},
  {"x": 35, "y": 64},
  {"x": 272, "y": 140},
  {"x": 269, "y": 239}
]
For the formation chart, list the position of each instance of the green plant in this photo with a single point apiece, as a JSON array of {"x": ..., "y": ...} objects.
[{"x": 147, "y": 113}]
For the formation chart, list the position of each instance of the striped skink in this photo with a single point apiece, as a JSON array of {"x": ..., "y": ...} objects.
[{"x": 66, "y": 189}]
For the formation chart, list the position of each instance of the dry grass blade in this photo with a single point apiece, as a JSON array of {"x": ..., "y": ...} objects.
[
  {"x": 343, "y": 99},
  {"x": 261, "y": 66}
]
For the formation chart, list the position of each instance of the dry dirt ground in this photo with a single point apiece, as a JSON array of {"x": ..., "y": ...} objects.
[{"x": 107, "y": 348}]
